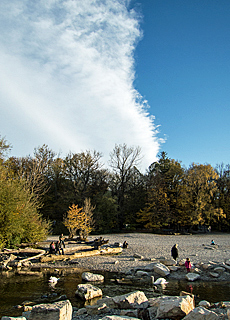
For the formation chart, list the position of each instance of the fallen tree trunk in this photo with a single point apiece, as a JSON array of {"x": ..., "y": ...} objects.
[
  {"x": 15, "y": 260},
  {"x": 34, "y": 257},
  {"x": 81, "y": 254}
]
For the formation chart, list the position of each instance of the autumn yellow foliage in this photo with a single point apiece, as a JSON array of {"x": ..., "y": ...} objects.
[{"x": 77, "y": 221}]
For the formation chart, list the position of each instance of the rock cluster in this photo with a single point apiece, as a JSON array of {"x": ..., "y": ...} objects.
[{"x": 133, "y": 305}]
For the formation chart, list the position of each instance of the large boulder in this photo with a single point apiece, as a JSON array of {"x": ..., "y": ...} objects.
[
  {"x": 88, "y": 291},
  {"x": 61, "y": 310},
  {"x": 201, "y": 313},
  {"x": 168, "y": 262},
  {"x": 132, "y": 300},
  {"x": 174, "y": 307},
  {"x": 161, "y": 269},
  {"x": 88, "y": 276}
]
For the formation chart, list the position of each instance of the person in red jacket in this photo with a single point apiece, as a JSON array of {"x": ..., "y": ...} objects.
[{"x": 188, "y": 265}]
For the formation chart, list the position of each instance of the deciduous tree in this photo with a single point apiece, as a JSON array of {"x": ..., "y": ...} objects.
[
  {"x": 76, "y": 220},
  {"x": 122, "y": 160}
]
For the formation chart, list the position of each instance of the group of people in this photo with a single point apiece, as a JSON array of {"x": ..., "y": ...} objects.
[
  {"x": 174, "y": 253},
  {"x": 58, "y": 247}
]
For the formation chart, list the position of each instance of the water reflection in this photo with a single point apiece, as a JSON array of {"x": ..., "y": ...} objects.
[
  {"x": 16, "y": 289},
  {"x": 210, "y": 291}
]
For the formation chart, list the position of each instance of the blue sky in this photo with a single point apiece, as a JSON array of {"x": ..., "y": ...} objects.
[
  {"x": 88, "y": 75},
  {"x": 183, "y": 70}
]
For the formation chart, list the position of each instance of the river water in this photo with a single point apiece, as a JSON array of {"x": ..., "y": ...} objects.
[{"x": 16, "y": 289}]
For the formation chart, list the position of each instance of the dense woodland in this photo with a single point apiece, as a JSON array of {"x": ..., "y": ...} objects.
[{"x": 37, "y": 191}]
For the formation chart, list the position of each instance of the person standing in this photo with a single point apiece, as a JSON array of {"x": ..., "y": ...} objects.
[
  {"x": 174, "y": 252},
  {"x": 62, "y": 239},
  {"x": 188, "y": 265}
]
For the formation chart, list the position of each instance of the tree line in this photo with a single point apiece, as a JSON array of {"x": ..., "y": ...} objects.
[{"x": 168, "y": 195}]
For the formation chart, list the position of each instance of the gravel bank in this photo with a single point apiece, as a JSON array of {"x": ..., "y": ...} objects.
[{"x": 196, "y": 247}]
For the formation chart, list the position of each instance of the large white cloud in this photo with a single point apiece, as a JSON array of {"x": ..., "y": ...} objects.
[{"x": 66, "y": 79}]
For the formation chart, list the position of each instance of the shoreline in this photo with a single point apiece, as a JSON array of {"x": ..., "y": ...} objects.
[{"x": 154, "y": 246}]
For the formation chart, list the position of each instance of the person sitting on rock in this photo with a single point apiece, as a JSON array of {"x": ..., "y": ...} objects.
[
  {"x": 59, "y": 248},
  {"x": 212, "y": 242},
  {"x": 188, "y": 265},
  {"x": 52, "y": 248}
]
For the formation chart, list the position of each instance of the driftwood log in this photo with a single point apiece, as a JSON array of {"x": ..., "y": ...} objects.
[
  {"x": 14, "y": 258},
  {"x": 80, "y": 254}
]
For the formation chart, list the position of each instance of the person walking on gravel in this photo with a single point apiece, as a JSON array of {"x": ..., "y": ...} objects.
[{"x": 174, "y": 252}]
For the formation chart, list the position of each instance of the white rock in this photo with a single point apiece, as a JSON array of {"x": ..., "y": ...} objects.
[
  {"x": 174, "y": 306},
  {"x": 161, "y": 269},
  {"x": 61, "y": 310},
  {"x": 88, "y": 276},
  {"x": 168, "y": 262},
  {"x": 204, "y": 303},
  {"x": 88, "y": 291},
  {"x": 132, "y": 300},
  {"x": 201, "y": 313},
  {"x": 192, "y": 276}
]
